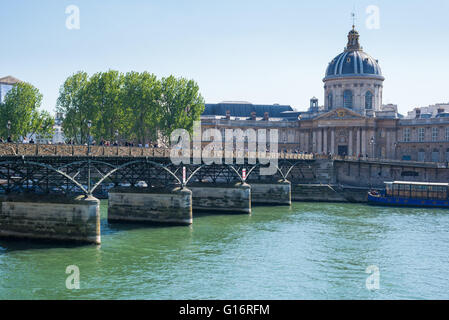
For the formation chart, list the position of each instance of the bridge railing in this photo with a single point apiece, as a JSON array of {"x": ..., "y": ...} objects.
[
  {"x": 26, "y": 149},
  {"x": 61, "y": 150}
]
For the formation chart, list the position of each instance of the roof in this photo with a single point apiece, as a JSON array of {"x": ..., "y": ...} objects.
[
  {"x": 9, "y": 80},
  {"x": 244, "y": 109},
  {"x": 420, "y": 183},
  {"x": 353, "y": 62}
]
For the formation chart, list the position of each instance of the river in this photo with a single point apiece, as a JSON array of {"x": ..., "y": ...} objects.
[{"x": 307, "y": 251}]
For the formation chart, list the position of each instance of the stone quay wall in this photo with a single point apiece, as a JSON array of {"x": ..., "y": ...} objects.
[
  {"x": 350, "y": 180},
  {"x": 50, "y": 218}
]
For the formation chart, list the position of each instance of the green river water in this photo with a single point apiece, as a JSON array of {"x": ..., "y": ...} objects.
[{"x": 307, "y": 251}]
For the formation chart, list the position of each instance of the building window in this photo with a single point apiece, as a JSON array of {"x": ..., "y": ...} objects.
[
  {"x": 407, "y": 135},
  {"x": 434, "y": 134},
  {"x": 347, "y": 99},
  {"x": 421, "y": 134},
  {"x": 447, "y": 134},
  {"x": 330, "y": 101},
  {"x": 435, "y": 155},
  {"x": 421, "y": 155},
  {"x": 368, "y": 100}
]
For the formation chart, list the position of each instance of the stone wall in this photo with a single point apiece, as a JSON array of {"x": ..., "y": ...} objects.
[
  {"x": 328, "y": 193},
  {"x": 171, "y": 206},
  {"x": 50, "y": 218},
  {"x": 374, "y": 174},
  {"x": 235, "y": 198}
]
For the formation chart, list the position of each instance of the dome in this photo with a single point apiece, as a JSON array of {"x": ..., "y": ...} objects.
[{"x": 353, "y": 62}]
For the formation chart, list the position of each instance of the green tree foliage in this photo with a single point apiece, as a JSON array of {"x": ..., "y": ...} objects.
[
  {"x": 141, "y": 93},
  {"x": 21, "y": 108},
  {"x": 74, "y": 105},
  {"x": 181, "y": 104},
  {"x": 104, "y": 93},
  {"x": 137, "y": 105}
]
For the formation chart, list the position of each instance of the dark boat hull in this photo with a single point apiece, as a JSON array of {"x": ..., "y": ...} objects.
[{"x": 406, "y": 202}]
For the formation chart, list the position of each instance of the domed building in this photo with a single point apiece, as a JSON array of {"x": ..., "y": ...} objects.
[
  {"x": 353, "y": 80},
  {"x": 352, "y": 121}
]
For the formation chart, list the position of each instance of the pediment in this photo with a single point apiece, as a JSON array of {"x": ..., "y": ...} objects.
[{"x": 340, "y": 114}]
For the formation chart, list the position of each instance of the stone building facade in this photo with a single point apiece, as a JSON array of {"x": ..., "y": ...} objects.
[{"x": 352, "y": 122}]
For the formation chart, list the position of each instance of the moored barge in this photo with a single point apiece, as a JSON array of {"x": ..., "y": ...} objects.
[{"x": 412, "y": 194}]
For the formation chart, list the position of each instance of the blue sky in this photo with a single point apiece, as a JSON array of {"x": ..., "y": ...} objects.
[{"x": 258, "y": 51}]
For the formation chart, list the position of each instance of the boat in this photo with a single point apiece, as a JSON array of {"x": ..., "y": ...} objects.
[{"x": 411, "y": 194}]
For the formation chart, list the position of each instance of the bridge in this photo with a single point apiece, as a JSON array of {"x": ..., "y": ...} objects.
[
  {"x": 50, "y": 191},
  {"x": 47, "y": 191}
]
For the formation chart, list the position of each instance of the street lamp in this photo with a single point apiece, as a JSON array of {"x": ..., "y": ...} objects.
[
  {"x": 116, "y": 139},
  {"x": 89, "y": 125},
  {"x": 8, "y": 126}
]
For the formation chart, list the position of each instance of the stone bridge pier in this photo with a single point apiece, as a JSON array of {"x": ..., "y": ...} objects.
[
  {"x": 221, "y": 197},
  {"x": 271, "y": 192},
  {"x": 151, "y": 205},
  {"x": 50, "y": 217}
]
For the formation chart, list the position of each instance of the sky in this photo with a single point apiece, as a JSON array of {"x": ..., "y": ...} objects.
[{"x": 259, "y": 51}]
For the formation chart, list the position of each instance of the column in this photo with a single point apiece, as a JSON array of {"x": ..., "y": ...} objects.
[
  {"x": 333, "y": 141},
  {"x": 320, "y": 141},
  {"x": 314, "y": 142},
  {"x": 350, "y": 143},
  {"x": 363, "y": 142},
  {"x": 358, "y": 142},
  {"x": 325, "y": 141}
]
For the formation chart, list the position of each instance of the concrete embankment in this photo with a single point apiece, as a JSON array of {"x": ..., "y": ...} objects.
[{"x": 50, "y": 217}]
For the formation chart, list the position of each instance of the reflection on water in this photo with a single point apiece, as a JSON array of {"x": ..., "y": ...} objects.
[{"x": 308, "y": 251}]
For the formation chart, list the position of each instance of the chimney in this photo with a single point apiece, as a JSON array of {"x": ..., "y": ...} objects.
[
  {"x": 228, "y": 115},
  {"x": 266, "y": 116},
  {"x": 253, "y": 115},
  {"x": 418, "y": 113}
]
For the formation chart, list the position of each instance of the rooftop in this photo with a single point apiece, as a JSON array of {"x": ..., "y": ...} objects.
[{"x": 9, "y": 80}]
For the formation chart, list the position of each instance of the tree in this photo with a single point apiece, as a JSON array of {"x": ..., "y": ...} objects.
[
  {"x": 104, "y": 94},
  {"x": 73, "y": 102},
  {"x": 141, "y": 93},
  {"x": 21, "y": 108},
  {"x": 181, "y": 105},
  {"x": 137, "y": 105}
]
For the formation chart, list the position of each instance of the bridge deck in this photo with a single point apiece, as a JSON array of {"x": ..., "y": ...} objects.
[{"x": 45, "y": 150}]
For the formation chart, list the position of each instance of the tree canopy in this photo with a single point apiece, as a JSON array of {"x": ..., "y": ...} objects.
[
  {"x": 137, "y": 106},
  {"x": 21, "y": 107}
]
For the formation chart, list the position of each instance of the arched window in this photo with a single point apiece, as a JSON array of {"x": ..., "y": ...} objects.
[
  {"x": 368, "y": 100},
  {"x": 330, "y": 102},
  {"x": 347, "y": 99}
]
